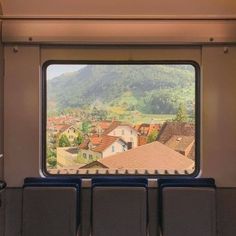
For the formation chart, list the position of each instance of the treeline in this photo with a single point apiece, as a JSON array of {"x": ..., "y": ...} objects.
[{"x": 151, "y": 89}]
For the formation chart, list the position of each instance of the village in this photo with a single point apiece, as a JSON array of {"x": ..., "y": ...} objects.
[{"x": 112, "y": 144}]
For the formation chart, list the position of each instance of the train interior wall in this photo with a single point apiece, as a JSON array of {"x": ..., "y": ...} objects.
[{"x": 20, "y": 108}]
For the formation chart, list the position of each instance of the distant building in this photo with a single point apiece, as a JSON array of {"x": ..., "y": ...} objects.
[
  {"x": 71, "y": 132},
  {"x": 152, "y": 156},
  {"x": 102, "y": 126},
  {"x": 66, "y": 156},
  {"x": 181, "y": 144},
  {"x": 125, "y": 131},
  {"x": 180, "y": 136},
  {"x": 144, "y": 130},
  {"x": 101, "y": 146}
]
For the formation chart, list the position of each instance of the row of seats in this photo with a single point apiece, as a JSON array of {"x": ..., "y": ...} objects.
[{"x": 51, "y": 206}]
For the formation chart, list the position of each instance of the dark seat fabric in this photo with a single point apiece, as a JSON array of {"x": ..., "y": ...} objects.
[
  {"x": 122, "y": 181},
  {"x": 51, "y": 206},
  {"x": 52, "y": 180},
  {"x": 2, "y": 184},
  {"x": 119, "y": 206},
  {"x": 187, "y": 207}
]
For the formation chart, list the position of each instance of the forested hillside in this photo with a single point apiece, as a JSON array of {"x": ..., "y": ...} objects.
[{"x": 150, "y": 89}]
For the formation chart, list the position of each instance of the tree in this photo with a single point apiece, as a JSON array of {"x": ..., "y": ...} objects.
[
  {"x": 86, "y": 127},
  {"x": 152, "y": 136},
  {"x": 79, "y": 139},
  {"x": 64, "y": 141},
  {"x": 181, "y": 114},
  {"x": 51, "y": 153},
  {"x": 52, "y": 161}
]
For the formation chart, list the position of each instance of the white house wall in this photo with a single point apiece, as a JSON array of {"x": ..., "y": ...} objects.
[
  {"x": 127, "y": 134},
  {"x": 118, "y": 147}
]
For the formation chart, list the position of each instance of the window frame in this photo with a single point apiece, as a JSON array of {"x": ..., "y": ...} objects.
[{"x": 193, "y": 63}]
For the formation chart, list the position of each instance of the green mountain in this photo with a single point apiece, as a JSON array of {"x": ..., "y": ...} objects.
[{"x": 152, "y": 89}]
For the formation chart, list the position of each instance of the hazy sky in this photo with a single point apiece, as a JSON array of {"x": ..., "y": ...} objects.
[{"x": 56, "y": 70}]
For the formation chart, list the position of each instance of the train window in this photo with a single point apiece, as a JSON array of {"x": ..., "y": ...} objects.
[{"x": 120, "y": 118}]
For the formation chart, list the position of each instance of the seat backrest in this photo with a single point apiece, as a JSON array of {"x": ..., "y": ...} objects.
[
  {"x": 50, "y": 207},
  {"x": 187, "y": 207},
  {"x": 119, "y": 207}
]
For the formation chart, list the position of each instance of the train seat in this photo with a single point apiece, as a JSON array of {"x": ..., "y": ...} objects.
[
  {"x": 119, "y": 206},
  {"x": 187, "y": 207},
  {"x": 2, "y": 210},
  {"x": 50, "y": 206}
]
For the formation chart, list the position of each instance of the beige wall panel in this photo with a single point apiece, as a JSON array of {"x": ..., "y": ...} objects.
[
  {"x": 21, "y": 100},
  {"x": 119, "y": 7},
  {"x": 218, "y": 115},
  {"x": 121, "y": 53},
  {"x": 146, "y": 32},
  {"x": 1, "y": 106}
]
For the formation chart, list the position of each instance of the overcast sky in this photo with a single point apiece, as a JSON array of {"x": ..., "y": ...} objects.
[{"x": 56, "y": 70}]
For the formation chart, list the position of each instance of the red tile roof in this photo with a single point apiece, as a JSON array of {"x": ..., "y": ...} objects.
[
  {"x": 104, "y": 124},
  {"x": 113, "y": 125},
  {"x": 106, "y": 142},
  {"x": 100, "y": 143},
  {"x": 147, "y": 129}
]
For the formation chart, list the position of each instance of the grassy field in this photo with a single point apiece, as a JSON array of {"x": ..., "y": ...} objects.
[{"x": 138, "y": 118}]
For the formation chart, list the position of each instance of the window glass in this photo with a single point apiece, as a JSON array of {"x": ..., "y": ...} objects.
[{"x": 120, "y": 118}]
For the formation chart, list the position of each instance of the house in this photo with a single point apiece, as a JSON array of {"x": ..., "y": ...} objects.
[
  {"x": 125, "y": 131},
  {"x": 102, "y": 126},
  {"x": 181, "y": 144},
  {"x": 180, "y": 136},
  {"x": 144, "y": 130},
  {"x": 152, "y": 156},
  {"x": 101, "y": 146},
  {"x": 66, "y": 156},
  {"x": 169, "y": 129},
  {"x": 70, "y": 131}
]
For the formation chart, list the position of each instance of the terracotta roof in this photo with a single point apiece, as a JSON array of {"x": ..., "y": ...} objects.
[
  {"x": 142, "y": 140},
  {"x": 61, "y": 128},
  {"x": 180, "y": 143},
  {"x": 106, "y": 141},
  {"x": 175, "y": 128},
  {"x": 112, "y": 126},
  {"x": 104, "y": 124},
  {"x": 146, "y": 129},
  {"x": 154, "y": 127},
  {"x": 101, "y": 143},
  {"x": 85, "y": 144},
  {"x": 95, "y": 140},
  {"x": 60, "y": 119},
  {"x": 150, "y": 156},
  {"x": 191, "y": 154}
]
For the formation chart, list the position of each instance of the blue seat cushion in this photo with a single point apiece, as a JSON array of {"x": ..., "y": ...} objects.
[{"x": 119, "y": 182}]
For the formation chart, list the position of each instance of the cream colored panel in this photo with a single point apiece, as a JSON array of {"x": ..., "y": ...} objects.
[
  {"x": 119, "y": 7},
  {"x": 1, "y": 106},
  {"x": 121, "y": 53},
  {"x": 219, "y": 115},
  {"x": 21, "y": 127},
  {"x": 84, "y": 32}
]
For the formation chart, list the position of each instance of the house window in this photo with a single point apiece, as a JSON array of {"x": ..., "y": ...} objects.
[{"x": 127, "y": 101}]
